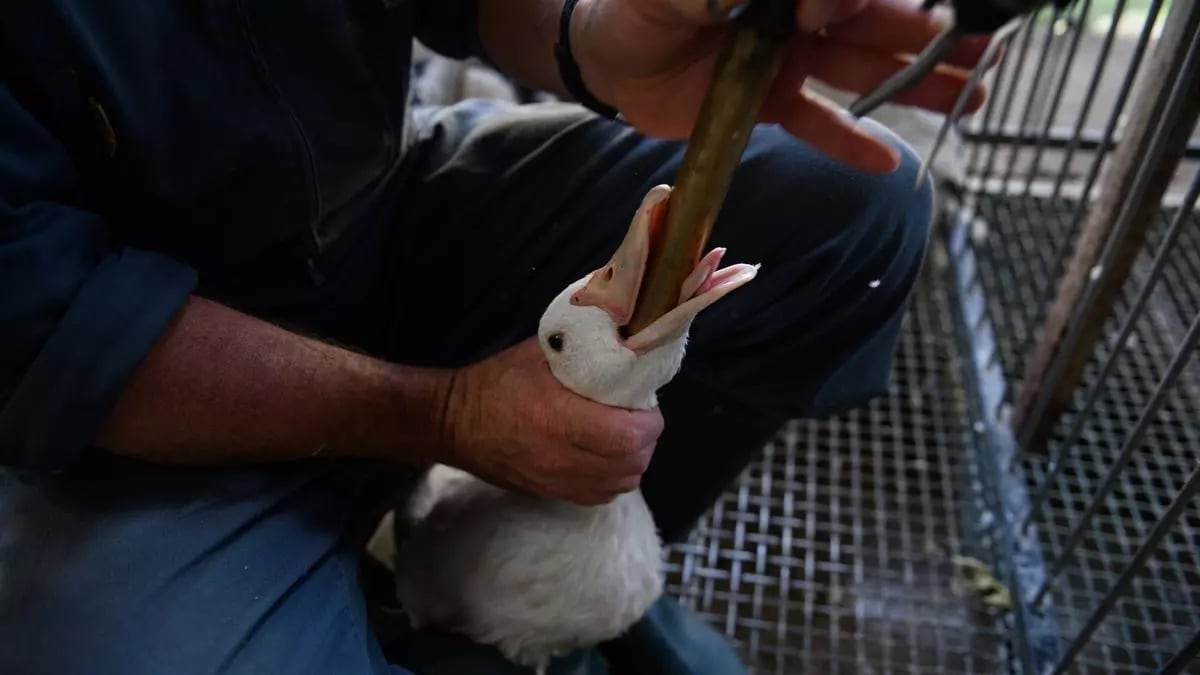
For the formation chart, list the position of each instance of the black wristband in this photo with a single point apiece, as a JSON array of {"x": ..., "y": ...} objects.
[{"x": 568, "y": 70}]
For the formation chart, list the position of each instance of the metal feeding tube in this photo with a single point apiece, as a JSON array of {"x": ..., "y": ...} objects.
[{"x": 746, "y": 66}]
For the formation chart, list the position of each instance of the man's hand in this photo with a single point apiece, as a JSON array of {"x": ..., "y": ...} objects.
[
  {"x": 222, "y": 387},
  {"x": 652, "y": 59},
  {"x": 511, "y": 423}
]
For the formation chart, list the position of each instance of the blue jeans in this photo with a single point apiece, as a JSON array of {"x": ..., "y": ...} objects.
[{"x": 119, "y": 566}]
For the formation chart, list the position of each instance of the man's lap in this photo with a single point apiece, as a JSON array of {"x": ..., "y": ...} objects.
[
  {"x": 124, "y": 567},
  {"x": 170, "y": 570},
  {"x": 485, "y": 253}
]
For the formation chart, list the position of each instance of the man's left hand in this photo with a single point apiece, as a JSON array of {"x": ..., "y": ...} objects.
[{"x": 652, "y": 59}]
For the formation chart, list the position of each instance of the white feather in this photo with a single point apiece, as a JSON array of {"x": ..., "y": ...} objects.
[{"x": 534, "y": 577}]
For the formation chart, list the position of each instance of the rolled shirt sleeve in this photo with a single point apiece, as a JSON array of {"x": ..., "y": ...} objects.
[{"x": 78, "y": 311}]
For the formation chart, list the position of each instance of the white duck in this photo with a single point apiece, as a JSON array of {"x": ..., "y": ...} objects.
[{"x": 535, "y": 577}]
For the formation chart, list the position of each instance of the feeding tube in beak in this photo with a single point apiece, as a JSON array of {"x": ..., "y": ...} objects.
[{"x": 615, "y": 287}]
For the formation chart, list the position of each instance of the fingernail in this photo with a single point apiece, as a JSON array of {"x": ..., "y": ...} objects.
[{"x": 893, "y": 160}]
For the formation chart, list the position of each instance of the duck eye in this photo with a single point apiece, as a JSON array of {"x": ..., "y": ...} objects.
[{"x": 555, "y": 340}]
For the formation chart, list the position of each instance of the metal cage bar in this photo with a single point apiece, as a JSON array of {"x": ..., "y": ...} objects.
[
  {"x": 1148, "y": 547},
  {"x": 1178, "y": 362},
  {"x": 1182, "y": 658},
  {"x": 835, "y": 551},
  {"x": 1090, "y": 548},
  {"x": 1166, "y": 248},
  {"x": 1106, "y": 140},
  {"x": 1120, "y": 218}
]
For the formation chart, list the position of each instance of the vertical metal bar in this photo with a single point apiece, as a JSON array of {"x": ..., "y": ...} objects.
[
  {"x": 1029, "y": 209},
  {"x": 1027, "y": 28},
  {"x": 1132, "y": 443},
  {"x": 1118, "y": 106},
  {"x": 1165, "y": 249},
  {"x": 1059, "y": 244},
  {"x": 990, "y": 107},
  {"x": 1061, "y": 87},
  {"x": 1185, "y": 656},
  {"x": 1033, "y": 88},
  {"x": 1147, "y": 549},
  {"x": 1110, "y": 129},
  {"x": 1125, "y": 210}
]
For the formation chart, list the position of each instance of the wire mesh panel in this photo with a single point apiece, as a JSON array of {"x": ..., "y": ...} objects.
[
  {"x": 844, "y": 549},
  {"x": 888, "y": 540},
  {"x": 1060, "y": 97},
  {"x": 849, "y": 548},
  {"x": 1112, "y": 499}
]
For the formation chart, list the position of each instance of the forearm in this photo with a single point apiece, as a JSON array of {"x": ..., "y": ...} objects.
[
  {"x": 519, "y": 37},
  {"x": 221, "y": 387},
  {"x": 611, "y": 42}
]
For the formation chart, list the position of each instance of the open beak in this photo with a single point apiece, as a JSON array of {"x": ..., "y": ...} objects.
[{"x": 615, "y": 287}]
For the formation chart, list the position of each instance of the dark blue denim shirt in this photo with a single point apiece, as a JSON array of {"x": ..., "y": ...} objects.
[{"x": 154, "y": 149}]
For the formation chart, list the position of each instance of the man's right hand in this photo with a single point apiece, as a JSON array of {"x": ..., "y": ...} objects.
[
  {"x": 509, "y": 422},
  {"x": 221, "y": 387}
]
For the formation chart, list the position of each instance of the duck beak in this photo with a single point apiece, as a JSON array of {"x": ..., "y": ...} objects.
[
  {"x": 704, "y": 286},
  {"x": 614, "y": 287}
]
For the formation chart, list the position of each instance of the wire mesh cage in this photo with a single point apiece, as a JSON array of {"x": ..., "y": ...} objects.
[
  {"x": 1023, "y": 499},
  {"x": 1081, "y": 215},
  {"x": 1027, "y": 501}
]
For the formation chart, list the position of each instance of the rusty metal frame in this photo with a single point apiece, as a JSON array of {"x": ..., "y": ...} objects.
[{"x": 1154, "y": 141}]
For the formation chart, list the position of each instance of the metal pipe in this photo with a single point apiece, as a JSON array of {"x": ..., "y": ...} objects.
[
  {"x": 1163, "y": 527},
  {"x": 746, "y": 66},
  {"x": 1178, "y": 361},
  {"x": 1116, "y": 229},
  {"x": 1058, "y": 138},
  {"x": 1156, "y": 269},
  {"x": 1108, "y": 137},
  {"x": 1107, "y": 140}
]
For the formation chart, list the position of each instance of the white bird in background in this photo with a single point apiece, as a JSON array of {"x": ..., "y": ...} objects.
[{"x": 535, "y": 577}]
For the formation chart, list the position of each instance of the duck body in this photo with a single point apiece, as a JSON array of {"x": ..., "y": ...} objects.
[{"x": 536, "y": 577}]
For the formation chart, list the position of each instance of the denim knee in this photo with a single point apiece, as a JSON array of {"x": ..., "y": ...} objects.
[{"x": 840, "y": 249}]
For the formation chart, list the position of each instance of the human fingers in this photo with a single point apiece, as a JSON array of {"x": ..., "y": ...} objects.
[
  {"x": 894, "y": 26},
  {"x": 609, "y": 432},
  {"x": 832, "y": 131},
  {"x": 850, "y": 68}
]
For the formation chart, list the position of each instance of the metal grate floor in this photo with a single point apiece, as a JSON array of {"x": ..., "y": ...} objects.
[
  {"x": 835, "y": 553},
  {"x": 1016, "y": 240}
]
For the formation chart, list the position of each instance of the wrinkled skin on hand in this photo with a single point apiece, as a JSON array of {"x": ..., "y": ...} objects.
[
  {"x": 512, "y": 424},
  {"x": 652, "y": 59}
]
